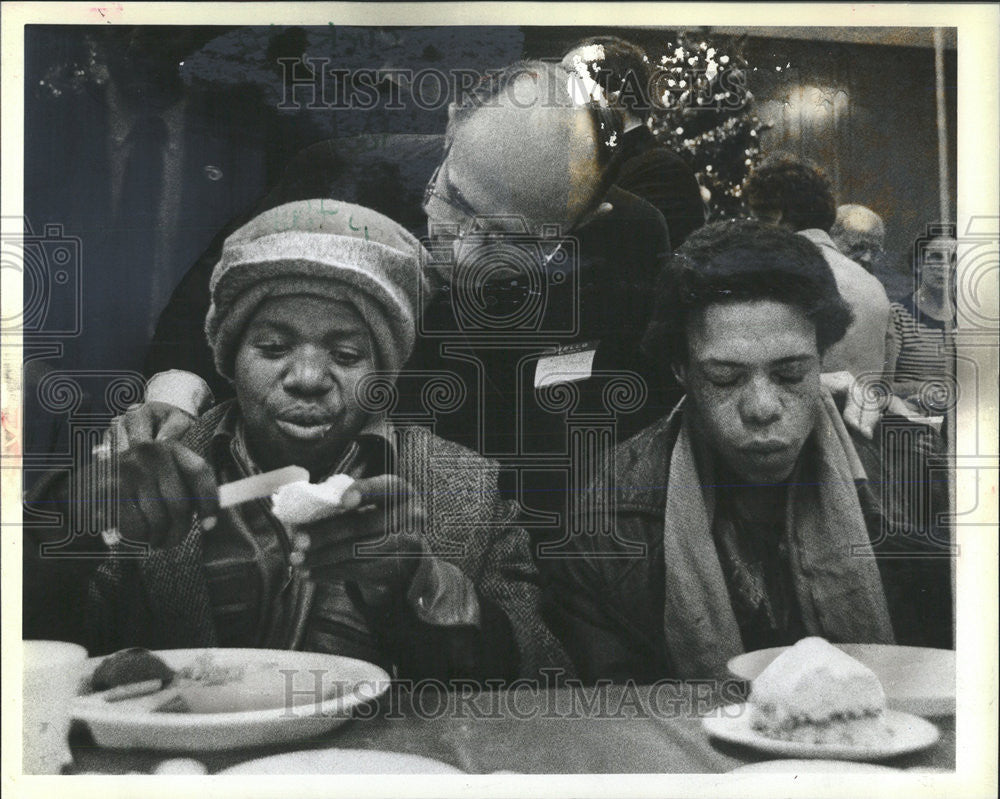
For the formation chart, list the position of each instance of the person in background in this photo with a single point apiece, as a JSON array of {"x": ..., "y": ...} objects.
[
  {"x": 859, "y": 233},
  {"x": 750, "y": 516},
  {"x": 797, "y": 195},
  {"x": 307, "y": 307},
  {"x": 924, "y": 372},
  {"x": 649, "y": 170}
]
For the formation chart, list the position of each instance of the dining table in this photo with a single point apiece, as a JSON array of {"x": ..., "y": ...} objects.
[{"x": 521, "y": 729}]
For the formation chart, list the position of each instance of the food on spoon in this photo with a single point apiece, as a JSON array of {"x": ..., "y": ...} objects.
[
  {"x": 303, "y": 502},
  {"x": 127, "y": 666},
  {"x": 133, "y": 690},
  {"x": 817, "y": 694}
]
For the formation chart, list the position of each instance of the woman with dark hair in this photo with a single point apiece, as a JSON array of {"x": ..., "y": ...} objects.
[
  {"x": 924, "y": 370},
  {"x": 750, "y": 517}
]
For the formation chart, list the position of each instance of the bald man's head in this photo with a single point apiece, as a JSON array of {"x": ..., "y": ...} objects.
[
  {"x": 536, "y": 144},
  {"x": 859, "y": 233}
]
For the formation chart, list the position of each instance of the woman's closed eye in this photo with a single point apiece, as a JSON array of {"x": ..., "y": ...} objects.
[{"x": 724, "y": 378}]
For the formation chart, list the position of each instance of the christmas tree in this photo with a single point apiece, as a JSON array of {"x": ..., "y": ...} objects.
[{"x": 705, "y": 114}]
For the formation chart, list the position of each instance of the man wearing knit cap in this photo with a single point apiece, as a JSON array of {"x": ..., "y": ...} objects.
[
  {"x": 314, "y": 310},
  {"x": 523, "y": 148}
]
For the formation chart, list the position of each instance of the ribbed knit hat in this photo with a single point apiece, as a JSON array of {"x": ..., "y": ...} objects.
[{"x": 324, "y": 248}]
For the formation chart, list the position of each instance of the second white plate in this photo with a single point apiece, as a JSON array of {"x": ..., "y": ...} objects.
[
  {"x": 916, "y": 679},
  {"x": 816, "y": 766},
  {"x": 343, "y": 761},
  {"x": 908, "y": 734}
]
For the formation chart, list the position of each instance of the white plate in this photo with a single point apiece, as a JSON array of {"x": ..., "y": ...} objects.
[
  {"x": 343, "y": 761},
  {"x": 813, "y": 767},
  {"x": 916, "y": 679},
  {"x": 908, "y": 734},
  {"x": 324, "y": 691}
]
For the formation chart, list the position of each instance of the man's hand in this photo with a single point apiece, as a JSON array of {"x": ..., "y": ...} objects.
[
  {"x": 376, "y": 543},
  {"x": 150, "y": 421},
  {"x": 864, "y": 403},
  {"x": 156, "y": 488},
  {"x": 174, "y": 399}
]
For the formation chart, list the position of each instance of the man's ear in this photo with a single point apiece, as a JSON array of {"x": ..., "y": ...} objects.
[{"x": 680, "y": 373}]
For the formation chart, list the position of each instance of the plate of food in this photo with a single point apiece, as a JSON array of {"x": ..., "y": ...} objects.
[
  {"x": 916, "y": 680},
  {"x": 214, "y": 699},
  {"x": 815, "y": 701}
]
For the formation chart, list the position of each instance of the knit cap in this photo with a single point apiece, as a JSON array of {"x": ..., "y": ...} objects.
[{"x": 323, "y": 248}]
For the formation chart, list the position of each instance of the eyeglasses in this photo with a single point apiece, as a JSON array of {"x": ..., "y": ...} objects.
[
  {"x": 486, "y": 227},
  {"x": 862, "y": 249},
  {"x": 452, "y": 196}
]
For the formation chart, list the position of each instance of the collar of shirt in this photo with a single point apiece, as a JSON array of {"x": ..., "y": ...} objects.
[{"x": 820, "y": 238}]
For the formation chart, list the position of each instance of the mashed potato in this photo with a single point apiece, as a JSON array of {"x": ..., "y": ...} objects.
[{"x": 303, "y": 502}]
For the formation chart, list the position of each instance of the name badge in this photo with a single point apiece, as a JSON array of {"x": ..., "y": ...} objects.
[{"x": 567, "y": 364}]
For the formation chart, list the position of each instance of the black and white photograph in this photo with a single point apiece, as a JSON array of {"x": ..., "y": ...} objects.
[{"x": 433, "y": 399}]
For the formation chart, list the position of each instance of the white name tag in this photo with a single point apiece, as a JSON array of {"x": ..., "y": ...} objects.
[{"x": 568, "y": 365}]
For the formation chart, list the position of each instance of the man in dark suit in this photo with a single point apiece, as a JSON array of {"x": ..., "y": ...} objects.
[{"x": 649, "y": 170}]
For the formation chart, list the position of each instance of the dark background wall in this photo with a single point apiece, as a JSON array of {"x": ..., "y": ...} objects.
[
  {"x": 864, "y": 111},
  {"x": 868, "y": 115}
]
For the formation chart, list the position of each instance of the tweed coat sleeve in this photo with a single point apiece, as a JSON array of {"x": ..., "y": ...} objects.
[{"x": 470, "y": 527}]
